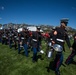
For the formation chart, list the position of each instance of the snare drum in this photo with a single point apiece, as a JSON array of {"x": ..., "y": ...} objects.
[
  {"x": 57, "y": 47},
  {"x": 49, "y": 54},
  {"x": 41, "y": 51},
  {"x": 17, "y": 38},
  {"x": 49, "y": 44}
]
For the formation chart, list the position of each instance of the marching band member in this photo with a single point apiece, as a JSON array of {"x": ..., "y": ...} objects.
[
  {"x": 24, "y": 40},
  {"x": 15, "y": 38},
  {"x": 10, "y": 37},
  {"x": 36, "y": 43},
  {"x": 60, "y": 35},
  {"x": 73, "y": 53}
]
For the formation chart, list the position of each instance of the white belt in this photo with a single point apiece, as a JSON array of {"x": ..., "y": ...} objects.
[
  {"x": 60, "y": 40},
  {"x": 10, "y": 35},
  {"x": 22, "y": 38},
  {"x": 51, "y": 39},
  {"x": 4, "y": 36},
  {"x": 34, "y": 39},
  {"x": 15, "y": 36}
]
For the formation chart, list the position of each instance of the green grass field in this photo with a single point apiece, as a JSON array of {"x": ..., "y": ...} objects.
[{"x": 12, "y": 63}]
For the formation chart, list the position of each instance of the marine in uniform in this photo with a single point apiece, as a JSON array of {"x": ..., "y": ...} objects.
[
  {"x": 10, "y": 37},
  {"x": 58, "y": 39},
  {"x": 73, "y": 53},
  {"x": 36, "y": 43},
  {"x": 15, "y": 38},
  {"x": 24, "y": 40}
]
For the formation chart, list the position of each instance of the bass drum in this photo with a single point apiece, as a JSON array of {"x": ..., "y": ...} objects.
[{"x": 57, "y": 47}]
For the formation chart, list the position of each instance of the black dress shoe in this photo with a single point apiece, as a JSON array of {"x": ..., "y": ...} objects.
[
  {"x": 57, "y": 72},
  {"x": 34, "y": 61},
  {"x": 66, "y": 63},
  {"x": 48, "y": 69}
]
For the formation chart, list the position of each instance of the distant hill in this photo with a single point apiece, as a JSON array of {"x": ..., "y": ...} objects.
[{"x": 43, "y": 27}]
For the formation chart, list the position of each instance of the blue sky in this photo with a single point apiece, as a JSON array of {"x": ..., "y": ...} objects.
[{"x": 38, "y": 11}]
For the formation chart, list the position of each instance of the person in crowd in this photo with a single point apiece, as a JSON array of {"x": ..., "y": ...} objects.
[
  {"x": 24, "y": 40},
  {"x": 15, "y": 36},
  {"x": 59, "y": 37},
  {"x": 49, "y": 44},
  {"x": 73, "y": 53},
  {"x": 10, "y": 37},
  {"x": 36, "y": 43}
]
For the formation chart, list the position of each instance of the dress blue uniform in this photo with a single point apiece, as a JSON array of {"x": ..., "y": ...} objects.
[
  {"x": 73, "y": 53},
  {"x": 10, "y": 39},
  {"x": 60, "y": 35},
  {"x": 24, "y": 38},
  {"x": 36, "y": 43}
]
